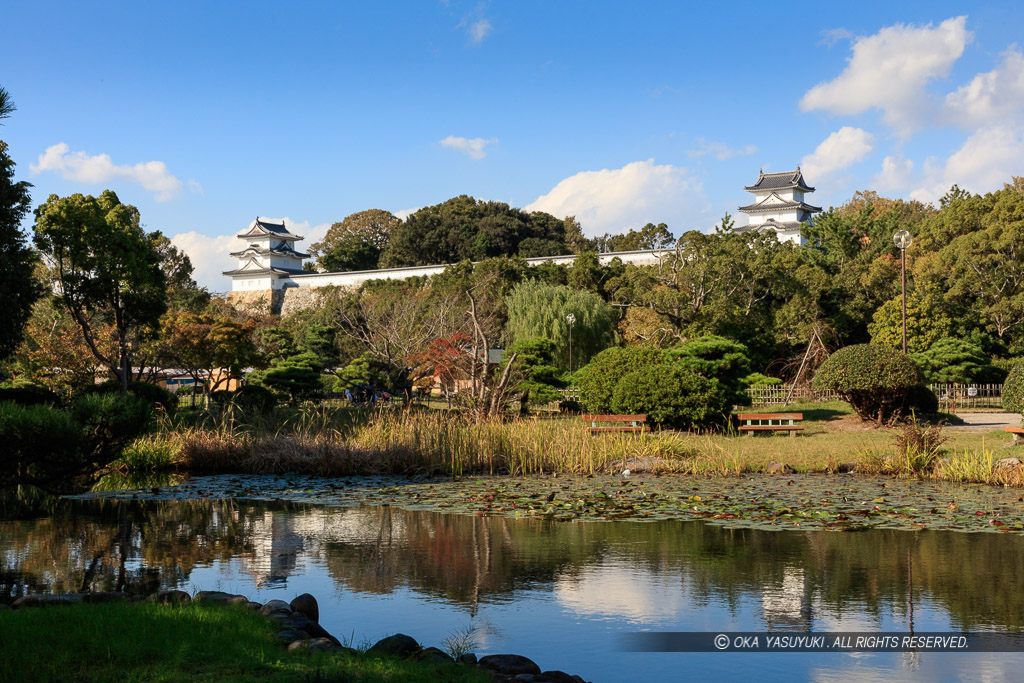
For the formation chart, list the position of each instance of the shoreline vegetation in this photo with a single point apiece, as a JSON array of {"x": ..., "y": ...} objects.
[{"x": 326, "y": 441}]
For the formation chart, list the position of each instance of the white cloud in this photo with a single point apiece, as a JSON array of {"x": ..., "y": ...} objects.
[
  {"x": 830, "y": 37},
  {"x": 629, "y": 197},
  {"x": 991, "y": 97},
  {"x": 889, "y": 71},
  {"x": 471, "y": 147},
  {"x": 210, "y": 255},
  {"x": 405, "y": 213},
  {"x": 99, "y": 168},
  {"x": 897, "y": 174},
  {"x": 719, "y": 150},
  {"x": 479, "y": 30},
  {"x": 983, "y": 163},
  {"x": 840, "y": 150}
]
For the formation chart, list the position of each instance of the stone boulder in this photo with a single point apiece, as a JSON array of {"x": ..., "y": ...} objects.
[
  {"x": 510, "y": 665},
  {"x": 173, "y": 597},
  {"x": 468, "y": 658},
  {"x": 47, "y": 600},
  {"x": 556, "y": 676},
  {"x": 779, "y": 468},
  {"x": 220, "y": 597},
  {"x": 306, "y": 604},
  {"x": 106, "y": 596},
  {"x": 313, "y": 644},
  {"x": 301, "y": 622},
  {"x": 433, "y": 654},
  {"x": 275, "y": 607},
  {"x": 1008, "y": 463},
  {"x": 398, "y": 644},
  {"x": 290, "y": 635}
]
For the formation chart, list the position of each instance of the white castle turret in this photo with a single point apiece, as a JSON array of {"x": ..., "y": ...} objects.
[
  {"x": 779, "y": 205},
  {"x": 268, "y": 258}
]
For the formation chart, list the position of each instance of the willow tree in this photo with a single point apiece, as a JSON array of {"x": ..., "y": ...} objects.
[
  {"x": 540, "y": 310},
  {"x": 105, "y": 271}
]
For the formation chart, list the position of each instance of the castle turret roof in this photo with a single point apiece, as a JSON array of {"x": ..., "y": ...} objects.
[
  {"x": 263, "y": 227},
  {"x": 780, "y": 181}
]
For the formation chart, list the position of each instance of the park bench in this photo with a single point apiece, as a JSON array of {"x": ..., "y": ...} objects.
[
  {"x": 770, "y": 422},
  {"x": 635, "y": 423},
  {"x": 1017, "y": 432}
]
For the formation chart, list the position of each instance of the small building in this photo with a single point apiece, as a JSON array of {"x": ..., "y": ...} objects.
[
  {"x": 268, "y": 255},
  {"x": 779, "y": 205}
]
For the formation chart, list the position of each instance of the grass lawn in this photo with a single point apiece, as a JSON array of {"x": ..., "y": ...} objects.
[{"x": 145, "y": 641}]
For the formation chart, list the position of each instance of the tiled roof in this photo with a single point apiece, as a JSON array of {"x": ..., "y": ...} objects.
[
  {"x": 283, "y": 250},
  {"x": 779, "y": 204},
  {"x": 780, "y": 181},
  {"x": 266, "y": 271},
  {"x": 784, "y": 226},
  {"x": 266, "y": 226}
]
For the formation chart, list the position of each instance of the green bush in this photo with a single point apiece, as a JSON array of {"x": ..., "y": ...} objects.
[
  {"x": 953, "y": 361},
  {"x": 598, "y": 379},
  {"x": 716, "y": 358},
  {"x": 109, "y": 423},
  {"x": 671, "y": 396},
  {"x": 1013, "y": 389},
  {"x": 250, "y": 398},
  {"x": 29, "y": 394},
  {"x": 922, "y": 401},
  {"x": 151, "y": 393},
  {"x": 875, "y": 380},
  {"x": 40, "y": 443}
]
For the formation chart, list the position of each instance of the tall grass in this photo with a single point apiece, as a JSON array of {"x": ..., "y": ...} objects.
[{"x": 332, "y": 442}]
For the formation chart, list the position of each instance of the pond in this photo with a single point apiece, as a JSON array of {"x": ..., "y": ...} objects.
[{"x": 560, "y": 592}]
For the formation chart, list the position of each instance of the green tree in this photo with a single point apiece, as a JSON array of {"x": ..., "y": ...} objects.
[
  {"x": 17, "y": 261},
  {"x": 953, "y": 361},
  {"x": 539, "y": 379},
  {"x": 598, "y": 379},
  {"x": 672, "y": 396},
  {"x": 183, "y": 293},
  {"x": 926, "y": 324},
  {"x": 466, "y": 228},
  {"x": 356, "y": 243},
  {"x": 716, "y": 358},
  {"x": 877, "y": 381},
  {"x": 105, "y": 269},
  {"x": 212, "y": 349},
  {"x": 295, "y": 376},
  {"x": 539, "y": 310}
]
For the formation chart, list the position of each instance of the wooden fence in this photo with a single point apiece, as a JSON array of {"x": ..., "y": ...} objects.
[
  {"x": 952, "y": 397},
  {"x": 776, "y": 394}
]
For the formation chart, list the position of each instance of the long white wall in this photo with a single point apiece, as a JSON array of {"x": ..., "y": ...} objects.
[{"x": 644, "y": 257}]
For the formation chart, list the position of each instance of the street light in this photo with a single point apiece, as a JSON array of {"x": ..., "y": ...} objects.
[
  {"x": 570, "y": 319},
  {"x": 902, "y": 240}
]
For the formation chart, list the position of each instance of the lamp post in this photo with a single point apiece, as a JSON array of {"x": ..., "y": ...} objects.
[
  {"x": 902, "y": 240},
  {"x": 570, "y": 319}
]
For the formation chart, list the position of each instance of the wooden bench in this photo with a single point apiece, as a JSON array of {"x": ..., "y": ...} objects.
[
  {"x": 770, "y": 422},
  {"x": 1017, "y": 432},
  {"x": 635, "y": 423}
]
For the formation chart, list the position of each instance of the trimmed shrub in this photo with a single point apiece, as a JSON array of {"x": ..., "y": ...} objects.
[
  {"x": 29, "y": 394},
  {"x": 109, "y": 423},
  {"x": 40, "y": 444},
  {"x": 1013, "y": 389},
  {"x": 151, "y": 393},
  {"x": 953, "y": 361},
  {"x": 671, "y": 396},
  {"x": 598, "y": 379},
  {"x": 875, "y": 380},
  {"x": 250, "y": 398},
  {"x": 922, "y": 401},
  {"x": 716, "y": 358}
]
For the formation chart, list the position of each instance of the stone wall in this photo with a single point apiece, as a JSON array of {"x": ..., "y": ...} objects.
[{"x": 258, "y": 301}]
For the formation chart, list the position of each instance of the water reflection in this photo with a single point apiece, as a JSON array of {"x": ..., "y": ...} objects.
[{"x": 625, "y": 575}]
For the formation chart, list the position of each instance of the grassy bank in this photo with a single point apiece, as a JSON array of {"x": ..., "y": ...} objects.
[
  {"x": 142, "y": 641},
  {"x": 339, "y": 442}
]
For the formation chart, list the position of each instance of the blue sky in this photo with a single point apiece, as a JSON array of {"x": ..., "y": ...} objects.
[{"x": 205, "y": 115}]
